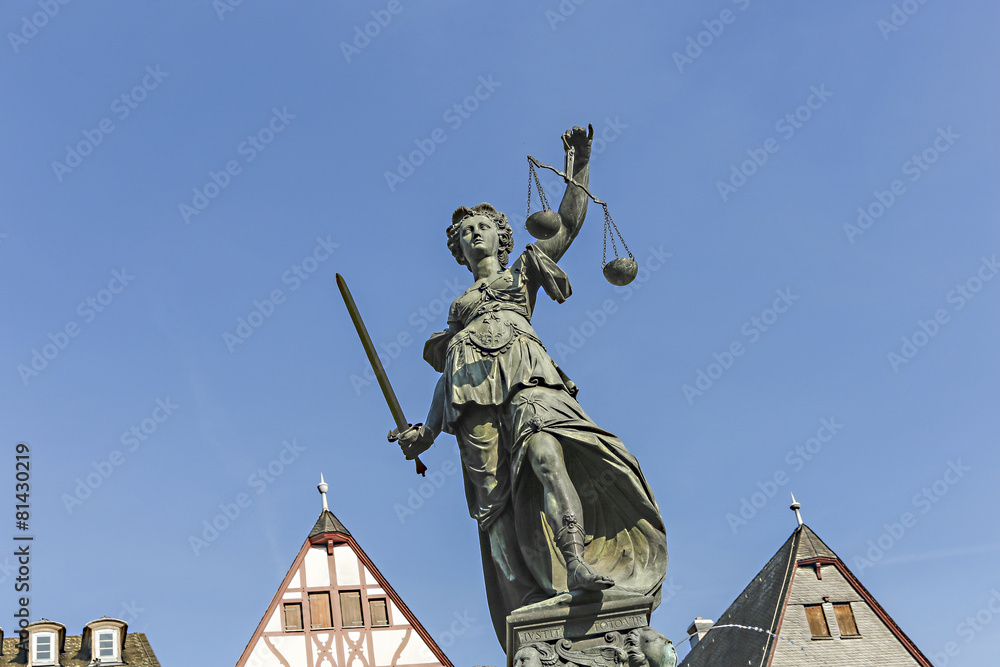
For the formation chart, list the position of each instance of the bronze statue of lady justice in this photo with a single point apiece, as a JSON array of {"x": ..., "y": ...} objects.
[{"x": 561, "y": 504}]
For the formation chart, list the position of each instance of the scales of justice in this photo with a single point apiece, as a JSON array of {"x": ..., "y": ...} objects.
[{"x": 574, "y": 549}]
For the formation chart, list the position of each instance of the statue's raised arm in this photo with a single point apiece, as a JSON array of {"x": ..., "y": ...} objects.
[{"x": 573, "y": 208}]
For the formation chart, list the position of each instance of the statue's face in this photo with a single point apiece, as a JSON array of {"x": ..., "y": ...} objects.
[
  {"x": 479, "y": 238},
  {"x": 527, "y": 657}
]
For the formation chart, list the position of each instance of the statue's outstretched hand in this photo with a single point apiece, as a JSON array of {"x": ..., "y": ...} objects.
[
  {"x": 579, "y": 138},
  {"x": 415, "y": 441}
]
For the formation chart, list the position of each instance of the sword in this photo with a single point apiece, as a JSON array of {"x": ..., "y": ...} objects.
[{"x": 376, "y": 363}]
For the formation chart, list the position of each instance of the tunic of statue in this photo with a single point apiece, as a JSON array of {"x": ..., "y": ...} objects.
[{"x": 561, "y": 504}]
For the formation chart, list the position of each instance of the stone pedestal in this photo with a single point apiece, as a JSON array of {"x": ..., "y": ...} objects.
[{"x": 585, "y": 630}]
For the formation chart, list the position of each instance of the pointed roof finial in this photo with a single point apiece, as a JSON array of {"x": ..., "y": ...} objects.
[
  {"x": 323, "y": 488},
  {"x": 796, "y": 506}
]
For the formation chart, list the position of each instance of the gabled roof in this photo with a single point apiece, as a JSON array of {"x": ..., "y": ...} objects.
[
  {"x": 760, "y": 608},
  {"x": 328, "y": 535},
  {"x": 328, "y": 523}
]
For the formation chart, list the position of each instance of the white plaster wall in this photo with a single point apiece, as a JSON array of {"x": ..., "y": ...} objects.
[
  {"x": 385, "y": 643},
  {"x": 296, "y": 581},
  {"x": 416, "y": 652},
  {"x": 292, "y": 647},
  {"x": 317, "y": 569},
  {"x": 347, "y": 565},
  {"x": 274, "y": 623}
]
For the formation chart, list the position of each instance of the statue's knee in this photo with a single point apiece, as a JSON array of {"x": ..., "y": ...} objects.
[{"x": 544, "y": 452}]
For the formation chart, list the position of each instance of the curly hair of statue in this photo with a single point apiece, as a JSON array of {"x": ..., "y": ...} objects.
[{"x": 504, "y": 232}]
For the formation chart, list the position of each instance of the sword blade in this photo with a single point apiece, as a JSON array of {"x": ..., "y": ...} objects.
[{"x": 376, "y": 363}]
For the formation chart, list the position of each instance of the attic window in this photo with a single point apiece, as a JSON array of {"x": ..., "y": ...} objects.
[
  {"x": 43, "y": 652},
  {"x": 379, "y": 613},
  {"x": 105, "y": 645},
  {"x": 817, "y": 621},
  {"x": 350, "y": 609},
  {"x": 845, "y": 619},
  {"x": 293, "y": 616},
  {"x": 319, "y": 611}
]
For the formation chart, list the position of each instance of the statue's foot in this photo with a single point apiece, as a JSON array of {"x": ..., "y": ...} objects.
[{"x": 582, "y": 577}]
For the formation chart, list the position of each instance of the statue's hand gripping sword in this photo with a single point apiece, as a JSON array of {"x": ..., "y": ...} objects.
[{"x": 383, "y": 379}]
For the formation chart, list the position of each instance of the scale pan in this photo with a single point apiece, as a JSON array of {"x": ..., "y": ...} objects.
[
  {"x": 621, "y": 271},
  {"x": 543, "y": 224}
]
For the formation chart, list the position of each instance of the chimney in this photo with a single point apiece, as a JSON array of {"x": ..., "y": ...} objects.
[{"x": 699, "y": 628}]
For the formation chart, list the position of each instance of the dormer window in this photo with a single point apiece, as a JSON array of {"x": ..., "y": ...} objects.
[
  {"x": 103, "y": 639},
  {"x": 43, "y": 649},
  {"x": 105, "y": 646}
]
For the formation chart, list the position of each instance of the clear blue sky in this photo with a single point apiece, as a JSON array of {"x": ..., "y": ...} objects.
[{"x": 288, "y": 135}]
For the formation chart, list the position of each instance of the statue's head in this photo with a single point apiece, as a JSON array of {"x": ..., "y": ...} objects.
[
  {"x": 536, "y": 654},
  {"x": 499, "y": 237},
  {"x": 648, "y": 648}
]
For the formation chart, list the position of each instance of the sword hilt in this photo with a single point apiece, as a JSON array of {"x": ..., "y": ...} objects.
[{"x": 394, "y": 436}]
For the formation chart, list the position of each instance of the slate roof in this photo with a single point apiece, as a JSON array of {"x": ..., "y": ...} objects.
[
  {"x": 328, "y": 523},
  {"x": 137, "y": 652},
  {"x": 761, "y": 603},
  {"x": 758, "y": 606}
]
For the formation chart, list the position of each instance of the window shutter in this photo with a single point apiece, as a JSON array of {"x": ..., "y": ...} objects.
[
  {"x": 379, "y": 613},
  {"x": 319, "y": 611},
  {"x": 845, "y": 619},
  {"x": 293, "y": 616},
  {"x": 817, "y": 620},
  {"x": 350, "y": 609}
]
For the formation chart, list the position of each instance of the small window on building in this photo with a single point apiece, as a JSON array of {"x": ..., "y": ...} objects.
[
  {"x": 106, "y": 646},
  {"x": 379, "y": 612},
  {"x": 845, "y": 619},
  {"x": 817, "y": 621},
  {"x": 350, "y": 609},
  {"x": 319, "y": 611},
  {"x": 293, "y": 616},
  {"x": 43, "y": 648}
]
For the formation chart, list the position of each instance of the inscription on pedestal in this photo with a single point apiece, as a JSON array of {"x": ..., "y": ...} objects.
[
  {"x": 599, "y": 626},
  {"x": 539, "y": 635}
]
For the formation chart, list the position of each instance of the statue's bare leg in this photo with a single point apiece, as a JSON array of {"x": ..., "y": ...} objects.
[{"x": 563, "y": 511}]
